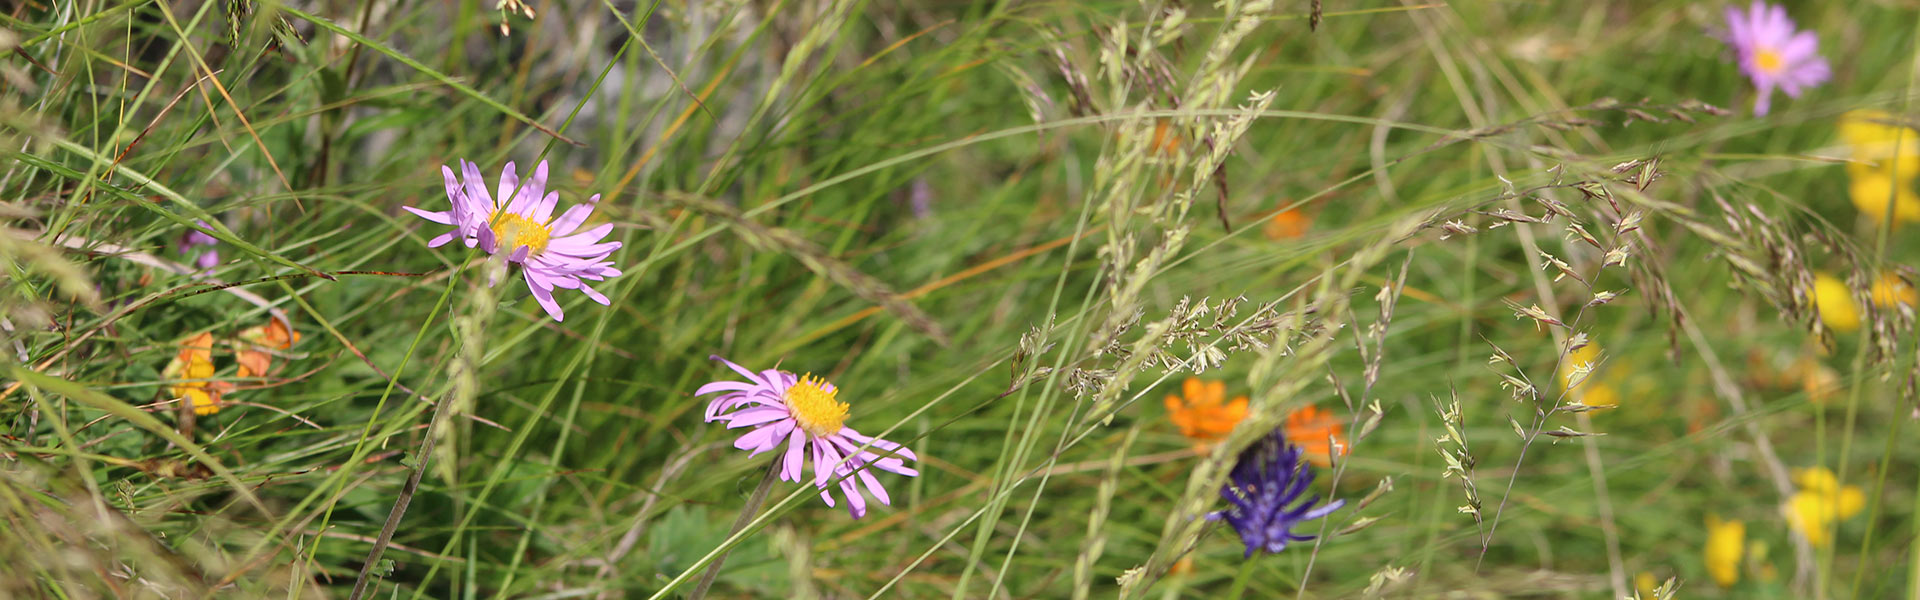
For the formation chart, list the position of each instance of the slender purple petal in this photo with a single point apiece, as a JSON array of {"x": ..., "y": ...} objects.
[
  {"x": 856, "y": 504},
  {"x": 796, "y": 455}
]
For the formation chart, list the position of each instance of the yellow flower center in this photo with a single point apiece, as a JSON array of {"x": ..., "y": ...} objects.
[
  {"x": 1768, "y": 60},
  {"x": 812, "y": 403},
  {"x": 511, "y": 231}
]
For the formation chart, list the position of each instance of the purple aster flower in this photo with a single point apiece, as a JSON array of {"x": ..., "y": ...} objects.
[
  {"x": 552, "y": 253},
  {"x": 803, "y": 412},
  {"x": 1267, "y": 478},
  {"x": 1773, "y": 54},
  {"x": 194, "y": 237}
]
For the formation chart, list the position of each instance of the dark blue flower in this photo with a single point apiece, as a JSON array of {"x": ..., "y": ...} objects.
[{"x": 1267, "y": 478}]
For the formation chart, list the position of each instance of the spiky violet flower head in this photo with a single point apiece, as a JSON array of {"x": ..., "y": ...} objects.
[
  {"x": 552, "y": 253},
  {"x": 193, "y": 237},
  {"x": 805, "y": 413},
  {"x": 1773, "y": 53},
  {"x": 1267, "y": 480}
]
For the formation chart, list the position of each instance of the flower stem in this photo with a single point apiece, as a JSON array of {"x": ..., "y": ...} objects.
[
  {"x": 1240, "y": 579},
  {"x": 746, "y": 516}
]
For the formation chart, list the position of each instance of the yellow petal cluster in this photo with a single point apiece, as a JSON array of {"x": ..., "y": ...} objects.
[
  {"x": 1820, "y": 504},
  {"x": 1835, "y": 303},
  {"x": 1890, "y": 290},
  {"x": 1885, "y": 161},
  {"x": 192, "y": 367},
  {"x": 1726, "y": 541},
  {"x": 1593, "y": 390}
]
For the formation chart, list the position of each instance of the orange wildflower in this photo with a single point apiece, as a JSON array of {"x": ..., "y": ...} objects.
[
  {"x": 1181, "y": 567},
  {"x": 194, "y": 365},
  {"x": 1202, "y": 413},
  {"x": 1318, "y": 433},
  {"x": 276, "y": 335},
  {"x": 1819, "y": 381},
  {"x": 1286, "y": 225},
  {"x": 1165, "y": 139}
]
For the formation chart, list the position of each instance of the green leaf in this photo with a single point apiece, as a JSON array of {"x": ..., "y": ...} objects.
[{"x": 417, "y": 66}]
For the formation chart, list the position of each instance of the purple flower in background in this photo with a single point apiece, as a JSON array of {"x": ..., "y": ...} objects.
[
  {"x": 1773, "y": 54},
  {"x": 194, "y": 237},
  {"x": 804, "y": 413},
  {"x": 1267, "y": 479},
  {"x": 552, "y": 252}
]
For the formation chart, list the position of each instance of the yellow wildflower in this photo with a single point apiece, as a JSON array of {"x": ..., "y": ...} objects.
[
  {"x": 1726, "y": 540},
  {"x": 1202, "y": 413},
  {"x": 1890, "y": 289},
  {"x": 1645, "y": 583},
  {"x": 1599, "y": 395},
  {"x": 1648, "y": 587},
  {"x": 1820, "y": 504},
  {"x": 1835, "y": 303},
  {"x": 1591, "y": 391},
  {"x": 193, "y": 365},
  {"x": 1872, "y": 191},
  {"x": 1588, "y": 356},
  {"x": 1879, "y": 145},
  {"x": 1886, "y": 159}
]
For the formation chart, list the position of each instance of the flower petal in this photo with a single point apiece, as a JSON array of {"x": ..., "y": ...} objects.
[
  {"x": 437, "y": 217},
  {"x": 545, "y": 298},
  {"x": 738, "y": 386},
  {"x": 873, "y": 486},
  {"x": 856, "y": 503},
  {"x": 757, "y": 416},
  {"x": 758, "y": 440},
  {"x": 824, "y": 458},
  {"x": 796, "y": 455}
]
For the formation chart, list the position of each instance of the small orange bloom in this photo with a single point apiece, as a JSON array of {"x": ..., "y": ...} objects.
[
  {"x": 1181, "y": 567},
  {"x": 1318, "y": 433},
  {"x": 1287, "y": 224},
  {"x": 1165, "y": 139},
  {"x": 1202, "y": 413},
  {"x": 1819, "y": 381},
  {"x": 194, "y": 365},
  {"x": 276, "y": 335}
]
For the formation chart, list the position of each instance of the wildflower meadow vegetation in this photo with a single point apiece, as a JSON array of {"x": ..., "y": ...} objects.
[{"x": 841, "y": 299}]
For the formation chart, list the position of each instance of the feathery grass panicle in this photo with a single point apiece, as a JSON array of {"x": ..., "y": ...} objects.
[
  {"x": 1454, "y": 450},
  {"x": 1096, "y": 537}
]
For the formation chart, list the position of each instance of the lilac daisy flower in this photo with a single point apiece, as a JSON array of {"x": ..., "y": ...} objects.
[
  {"x": 1773, "y": 54},
  {"x": 803, "y": 412},
  {"x": 1267, "y": 478},
  {"x": 194, "y": 237},
  {"x": 552, "y": 253}
]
